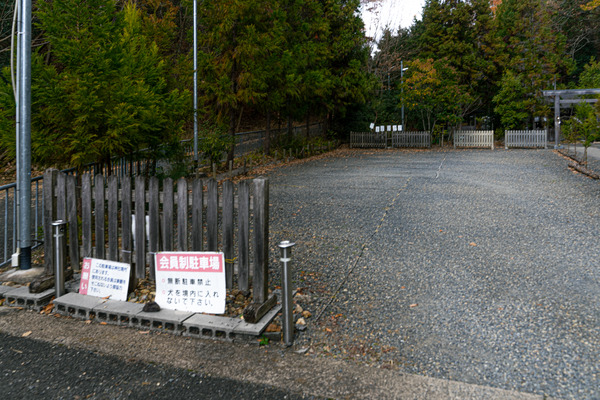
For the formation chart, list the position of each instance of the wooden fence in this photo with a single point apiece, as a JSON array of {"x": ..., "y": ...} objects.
[
  {"x": 181, "y": 216},
  {"x": 411, "y": 139},
  {"x": 474, "y": 139},
  {"x": 526, "y": 139},
  {"x": 396, "y": 138},
  {"x": 368, "y": 140}
]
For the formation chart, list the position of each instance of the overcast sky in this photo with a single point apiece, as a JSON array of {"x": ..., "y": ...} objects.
[{"x": 392, "y": 13}]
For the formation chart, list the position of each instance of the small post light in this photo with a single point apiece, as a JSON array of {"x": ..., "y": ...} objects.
[{"x": 286, "y": 295}]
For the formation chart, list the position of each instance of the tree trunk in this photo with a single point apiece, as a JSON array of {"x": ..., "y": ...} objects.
[
  {"x": 232, "y": 121},
  {"x": 308, "y": 124},
  {"x": 289, "y": 120},
  {"x": 268, "y": 133}
]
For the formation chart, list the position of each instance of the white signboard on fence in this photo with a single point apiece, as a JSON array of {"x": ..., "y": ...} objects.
[
  {"x": 191, "y": 281},
  {"x": 103, "y": 278},
  {"x": 372, "y": 126}
]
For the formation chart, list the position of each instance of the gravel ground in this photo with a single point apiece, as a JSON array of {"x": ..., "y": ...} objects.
[{"x": 473, "y": 265}]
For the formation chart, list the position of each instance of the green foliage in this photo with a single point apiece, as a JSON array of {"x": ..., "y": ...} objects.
[
  {"x": 531, "y": 53},
  {"x": 264, "y": 341},
  {"x": 461, "y": 33},
  {"x": 585, "y": 124},
  {"x": 214, "y": 143},
  {"x": 431, "y": 89},
  {"x": 590, "y": 77},
  {"x": 104, "y": 93},
  {"x": 513, "y": 105}
]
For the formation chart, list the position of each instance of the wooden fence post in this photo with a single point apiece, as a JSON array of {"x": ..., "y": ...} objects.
[
  {"x": 73, "y": 223},
  {"x": 197, "y": 204},
  {"x": 61, "y": 196},
  {"x": 261, "y": 240},
  {"x": 243, "y": 231},
  {"x": 154, "y": 217},
  {"x": 113, "y": 218},
  {"x": 212, "y": 217},
  {"x": 168, "y": 207},
  {"x": 228, "y": 231},
  {"x": 99, "y": 214},
  {"x": 182, "y": 215},
  {"x": 86, "y": 215},
  {"x": 126, "y": 220},
  {"x": 140, "y": 227},
  {"x": 49, "y": 216}
]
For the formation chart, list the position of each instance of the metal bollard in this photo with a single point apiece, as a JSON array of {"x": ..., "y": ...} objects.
[
  {"x": 286, "y": 295},
  {"x": 60, "y": 255}
]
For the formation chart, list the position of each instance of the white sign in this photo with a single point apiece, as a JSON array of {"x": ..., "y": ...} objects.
[
  {"x": 395, "y": 128},
  {"x": 389, "y": 128},
  {"x": 191, "y": 281},
  {"x": 377, "y": 129},
  {"x": 103, "y": 278},
  {"x": 372, "y": 126}
]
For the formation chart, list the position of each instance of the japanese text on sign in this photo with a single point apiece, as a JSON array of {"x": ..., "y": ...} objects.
[
  {"x": 102, "y": 278},
  {"x": 191, "y": 281}
]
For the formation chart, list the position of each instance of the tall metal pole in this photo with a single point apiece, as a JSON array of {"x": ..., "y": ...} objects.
[
  {"x": 24, "y": 136},
  {"x": 557, "y": 121},
  {"x": 195, "y": 82},
  {"x": 402, "y": 90}
]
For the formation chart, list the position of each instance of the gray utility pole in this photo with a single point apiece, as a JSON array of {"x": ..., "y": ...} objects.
[
  {"x": 402, "y": 69},
  {"x": 24, "y": 135}
]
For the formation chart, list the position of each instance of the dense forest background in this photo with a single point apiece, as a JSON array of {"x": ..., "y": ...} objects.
[{"x": 111, "y": 77}]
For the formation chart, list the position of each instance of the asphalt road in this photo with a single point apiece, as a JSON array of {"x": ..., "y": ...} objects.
[
  {"x": 473, "y": 265},
  {"x": 32, "y": 369}
]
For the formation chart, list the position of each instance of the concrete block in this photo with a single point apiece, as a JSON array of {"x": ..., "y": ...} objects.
[
  {"x": 257, "y": 329},
  {"x": 5, "y": 289},
  {"x": 20, "y": 297},
  {"x": 165, "y": 320},
  {"x": 77, "y": 305},
  {"x": 117, "y": 312},
  {"x": 211, "y": 326}
]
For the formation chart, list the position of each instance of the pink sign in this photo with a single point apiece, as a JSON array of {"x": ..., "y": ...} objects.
[
  {"x": 190, "y": 262},
  {"x": 103, "y": 278},
  {"x": 191, "y": 281}
]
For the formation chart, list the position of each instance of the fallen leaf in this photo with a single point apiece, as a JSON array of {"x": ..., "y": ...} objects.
[
  {"x": 106, "y": 298},
  {"x": 48, "y": 309},
  {"x": 402, "y": 287},
  {"x": 328, "y": 330},
  {"x": 441, "y": 230},
  {"x": 144, "y": 332},
  {"x": 472, "y": 244},
  {"x": 103, "y": 323},
  {"x": 26, "y": 334},
  {"x": 414, "y": 305}
]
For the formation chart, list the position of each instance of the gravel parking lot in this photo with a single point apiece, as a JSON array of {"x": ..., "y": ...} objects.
[{"x": 473, "y": 265}]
